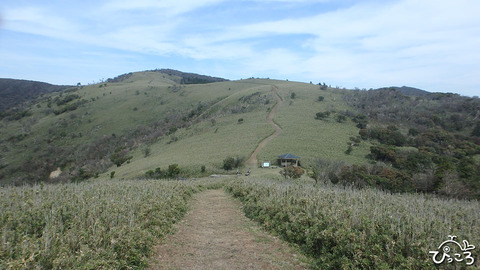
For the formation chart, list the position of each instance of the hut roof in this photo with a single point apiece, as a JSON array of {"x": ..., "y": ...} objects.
[{"x": 288, "y": 156}]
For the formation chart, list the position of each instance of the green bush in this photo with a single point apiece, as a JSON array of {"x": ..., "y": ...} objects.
[
  {"x": 322, "y": 115},
  {"x": 476, "y": 130},
  {"x": 341, "y": 118},
  {"x": 387, "y": 136},
  {"x": 361, "y": 121},
  {"x": 232, "y": 162},
  {"x": 228, "y": 163},
  {"x": 173, "y": 171},
  {"x": 292, "y": 172},
  {"x": 120, "y": 156}
]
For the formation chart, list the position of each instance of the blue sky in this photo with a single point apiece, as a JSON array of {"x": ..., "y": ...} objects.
[{"x": 433, "y": 45}]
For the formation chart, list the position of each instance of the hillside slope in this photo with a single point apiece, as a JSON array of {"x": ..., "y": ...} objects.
[{"x": 146, "y": 120}]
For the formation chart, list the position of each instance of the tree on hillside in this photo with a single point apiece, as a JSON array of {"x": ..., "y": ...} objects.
[
  {"x": 233, "y": 162},
  {"x": 476, "y": 130}
]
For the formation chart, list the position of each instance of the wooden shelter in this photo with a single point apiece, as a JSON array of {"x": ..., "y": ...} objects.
[{"x": 288, "y": 159}]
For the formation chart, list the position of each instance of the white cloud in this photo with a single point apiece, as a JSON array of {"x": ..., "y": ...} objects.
[
  {"x": 39, "y": 21},
  {"x": 168, "y": 7},
  {"x": 427, "y": 43}
]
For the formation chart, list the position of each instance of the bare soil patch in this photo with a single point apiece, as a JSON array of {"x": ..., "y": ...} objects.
[{"x": 215, "y": 234}]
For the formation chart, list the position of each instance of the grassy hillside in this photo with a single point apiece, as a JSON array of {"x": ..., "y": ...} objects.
[
  {"x": 78, "y": 130},
  {"x": 307, "y": 137},
  {"x": 146, "y": 120}
]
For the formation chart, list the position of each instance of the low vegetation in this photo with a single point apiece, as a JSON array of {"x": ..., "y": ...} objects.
[
  {"x": 345, "y": 228},
  {"x": 99, "y": 225}
]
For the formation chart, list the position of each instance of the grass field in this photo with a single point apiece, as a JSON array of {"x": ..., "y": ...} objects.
[
  {"x": 202, "y": 144},
  {"x": 97, "y": 225},
  {"x": 343, "y": 228},
  {"x": 307, "y": 137}
]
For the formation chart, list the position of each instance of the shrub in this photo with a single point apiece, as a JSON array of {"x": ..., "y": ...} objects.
[
  {"x": 320, "y": 98},
  {"x": 376, "y": 176},
  {"x": 322, "y": 115},
  {"x": 233, "y": 162},
  {"x": 361, "y": 121},
  {"x": 292, "y": 171},
  {"x": 173, "y": 171},
  {"x": 66, "y": 99},
  {"x": 324, "y": 170},
  {"x": 388, "y": 136},
  {"x": 355, "y": 139},
  {"x": 413, "y": 132},
  {"x": 120, "y": 156},
  {"x": 341, "y": 118},
  {"x": 382, "y": 153},
  {"x": 228, "y": 163},
  {"x": 476, "y": 130},
  {"x": 156, "y": 174}
]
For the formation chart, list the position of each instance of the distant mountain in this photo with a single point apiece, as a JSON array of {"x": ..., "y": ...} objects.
[
  {"x": 409, "y": 91},
  {"x": 14, "y": 92},
  {"x": 190, "y": 78},
  {"x": 179, "y": 77}
]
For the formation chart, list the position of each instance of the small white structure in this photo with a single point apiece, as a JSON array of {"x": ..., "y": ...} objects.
[{"x": 266, "y": 164}]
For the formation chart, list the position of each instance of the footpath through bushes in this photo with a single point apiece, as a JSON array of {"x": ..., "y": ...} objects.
[{"x": 97, "y": 225}]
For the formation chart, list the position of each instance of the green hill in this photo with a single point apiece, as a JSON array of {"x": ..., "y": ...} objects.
[
  {"x": 138, "y": 122},
  {"x": 15, "y": 92},
  {"x": 79, "y": 129}
]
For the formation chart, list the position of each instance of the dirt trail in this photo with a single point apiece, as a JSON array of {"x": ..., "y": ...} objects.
[
  {"x": 252, "y": 161},
  {"x": 215, "y": 234}
]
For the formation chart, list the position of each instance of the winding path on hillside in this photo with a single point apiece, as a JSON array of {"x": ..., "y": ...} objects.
[
  {"x": 252, "y": 161},
  {"x": 215, "y": 234}
]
